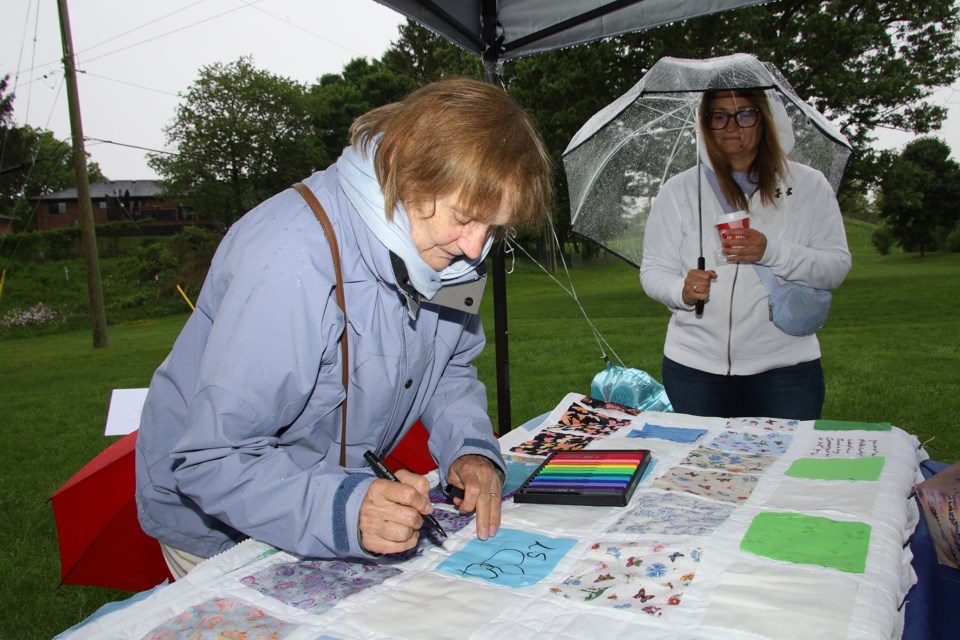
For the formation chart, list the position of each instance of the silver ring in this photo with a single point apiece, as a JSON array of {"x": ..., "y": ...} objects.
[
  {"x": 696, "y": 288},
  {"x": 497, "y": 495}
]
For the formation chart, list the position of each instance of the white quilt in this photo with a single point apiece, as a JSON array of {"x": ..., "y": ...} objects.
[{"x": 745, "y": 528}]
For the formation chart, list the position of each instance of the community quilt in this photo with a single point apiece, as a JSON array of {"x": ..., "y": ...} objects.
[{"x": 740, "y": 528}]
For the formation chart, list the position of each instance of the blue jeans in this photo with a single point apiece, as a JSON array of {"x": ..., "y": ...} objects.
[{"x": 795, "y": 392}]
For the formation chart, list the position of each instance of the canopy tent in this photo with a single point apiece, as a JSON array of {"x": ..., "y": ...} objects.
[{"x": 499, "y": 30}]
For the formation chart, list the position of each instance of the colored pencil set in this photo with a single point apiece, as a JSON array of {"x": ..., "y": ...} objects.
[{"x": 605, "y": 477}]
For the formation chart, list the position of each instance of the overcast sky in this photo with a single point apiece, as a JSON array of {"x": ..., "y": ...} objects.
[{"x": 136, "y": 56}]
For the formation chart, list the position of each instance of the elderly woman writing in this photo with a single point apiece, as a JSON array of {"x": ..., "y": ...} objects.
[
  {"x": 732, "y": 360},
  {"x": 241, "y": 434}
]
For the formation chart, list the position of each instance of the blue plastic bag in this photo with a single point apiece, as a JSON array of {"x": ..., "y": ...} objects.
[{"x": 631, "y": 388}]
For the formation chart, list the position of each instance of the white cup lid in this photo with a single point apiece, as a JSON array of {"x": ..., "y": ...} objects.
[{"x": 732, "y": 217}]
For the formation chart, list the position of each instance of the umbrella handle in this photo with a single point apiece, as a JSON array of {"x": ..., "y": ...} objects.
[{"x": 702, "y": 265}]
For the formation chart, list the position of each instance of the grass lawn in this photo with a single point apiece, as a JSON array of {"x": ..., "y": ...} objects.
[{"x": 890, "y": 348}]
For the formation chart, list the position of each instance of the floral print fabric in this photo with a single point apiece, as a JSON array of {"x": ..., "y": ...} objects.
[
  {"x": 646, "y": 578},
  {"x": 317, "y": 585},
  {"x": 672, "y": 514},
  {"x": 579, "y": 418},
  {"x": 764, "y": 424},
  {"x": 773, "y": 444},
  {"x": 733, "y": 462},
  {"x": 222, "y": 619},
  {"x": 728, "y": 487},
  {"x": 547, "y": 441}
]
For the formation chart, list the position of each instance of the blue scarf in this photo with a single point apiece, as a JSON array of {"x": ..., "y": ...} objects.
[{"x": 358, "y": 179}]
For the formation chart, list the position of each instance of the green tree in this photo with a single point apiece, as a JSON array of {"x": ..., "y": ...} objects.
[
  {"x": 337, "y": 99},
  {"x": 863, "y": 64},
  {"x": 854, "y": 203},
  {"x": 425, "y": 57},
  {"x": 242, "y": 135},
  {"x": 32, "y": 163},
  {"x": 921, "y": 189},
  {"x": 6, "y": 101}
]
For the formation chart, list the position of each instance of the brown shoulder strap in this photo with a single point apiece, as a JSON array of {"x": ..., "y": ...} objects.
[{"x": 341, "y": 302}]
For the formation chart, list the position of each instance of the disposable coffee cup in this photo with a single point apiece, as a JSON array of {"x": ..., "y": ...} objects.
[
  {"x": 735, "y": 220},
  {"x": 726, "y": 223}
]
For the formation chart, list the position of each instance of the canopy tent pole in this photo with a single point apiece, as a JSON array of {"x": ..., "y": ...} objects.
[{"x": 490, "y": 57}]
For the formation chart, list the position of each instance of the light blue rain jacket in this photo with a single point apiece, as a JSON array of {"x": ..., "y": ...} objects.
[{"x": 240, "y": 433}]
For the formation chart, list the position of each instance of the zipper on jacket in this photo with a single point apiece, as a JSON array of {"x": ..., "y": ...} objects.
[{"x": 733, "y": 288}]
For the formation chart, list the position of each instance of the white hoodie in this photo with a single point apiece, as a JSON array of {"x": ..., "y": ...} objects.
[{"x": 806, "y": 243}]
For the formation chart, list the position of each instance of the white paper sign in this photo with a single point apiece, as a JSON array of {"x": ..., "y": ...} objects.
[{"x": 123, "y": 416}]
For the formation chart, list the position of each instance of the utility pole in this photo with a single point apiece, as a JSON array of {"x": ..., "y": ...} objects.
[{"x": 88, "y": 236}]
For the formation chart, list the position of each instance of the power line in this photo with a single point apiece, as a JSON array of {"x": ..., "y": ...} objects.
[
  {"x": 130, "y": 84},
  {"x": 300, "y": 27},
  {"x": 246, "y": 4},
  {"x": 142, "y": 26},
  {"x": 164, "y": 35},
  {"x": 131, "y": 146}
]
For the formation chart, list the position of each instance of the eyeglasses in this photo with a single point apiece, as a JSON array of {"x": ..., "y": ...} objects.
[{"x": 745, "y": 118}]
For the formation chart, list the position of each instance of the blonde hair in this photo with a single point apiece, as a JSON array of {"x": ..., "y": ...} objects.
[
  {"x": 459, "y": 134},
  {"x": 770, "y": 164}
]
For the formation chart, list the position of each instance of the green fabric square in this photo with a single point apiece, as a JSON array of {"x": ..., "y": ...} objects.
[
  {"x": 837, "y": 468},
  {"x": 839, "y": 425},
  {"x": 794, "y": 537}
]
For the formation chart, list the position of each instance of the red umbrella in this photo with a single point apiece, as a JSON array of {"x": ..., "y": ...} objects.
[{"x": 101, "y": 542}]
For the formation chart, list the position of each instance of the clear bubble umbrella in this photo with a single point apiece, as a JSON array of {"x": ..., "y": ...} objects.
[{"x": 618, "y": 160}]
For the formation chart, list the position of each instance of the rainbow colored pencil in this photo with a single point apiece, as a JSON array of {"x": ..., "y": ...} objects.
[{"x": 605, "y": 477}]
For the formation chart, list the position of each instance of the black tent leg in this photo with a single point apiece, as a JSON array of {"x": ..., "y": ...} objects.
[
  {"x": 500, "y": 337},
  {"x": 504, "y": 423}
]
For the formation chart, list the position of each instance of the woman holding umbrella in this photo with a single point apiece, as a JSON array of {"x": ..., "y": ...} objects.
[{"x": 732, "y": 360}]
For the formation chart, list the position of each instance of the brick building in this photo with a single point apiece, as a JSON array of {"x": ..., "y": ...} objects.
[{"x": 112, "y": 200}]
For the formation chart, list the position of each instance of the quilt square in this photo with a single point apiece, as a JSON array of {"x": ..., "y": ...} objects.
[
  {"x": 718, "y": 485},
  {"x": 795, "y": 537},
  {"x": 840, "y": 425},
  {"x": 512, "y": 558},
  {"x": 434, "y": 606},
  {"x": 579, "y": 418},
  {"x": 644, "y": 577},
  {"x": 317, "y": 585},
  {"x": 547, "y": 441},
  {"x": 222, "y": 618},
  {"x": 673, "y": 434},
  {"x": 817, "y": 605},
  {"x": 832, "y": 446},
  {"x": 671, "y": 513},
  {"x": 765, "y": 424},
  {"x": 730, "y": 461},
  {"x": 771, "y": 444},
  {"x": 610, "y": 406},
  {"x": 836, "y": 468}
]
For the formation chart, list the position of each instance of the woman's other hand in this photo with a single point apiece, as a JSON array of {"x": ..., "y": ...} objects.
[
  {"x": 482, "y": 489},
  {"x": 744, "y": 245},
  {"x": 696, "y": 286}
]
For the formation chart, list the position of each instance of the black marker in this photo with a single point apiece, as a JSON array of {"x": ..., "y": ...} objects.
[
  {"x": 385, "y": 474},
  {"x": 454, "y": 491}
]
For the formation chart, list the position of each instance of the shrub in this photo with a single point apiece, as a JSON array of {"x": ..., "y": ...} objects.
[
  {"x": 952, "y": 242},
  {"x": 37, "y": 315},
  {"x": 882, "y": 240},
  {"x": 193, "y": 249}
]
